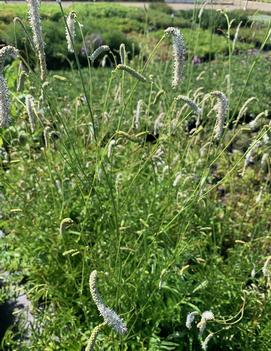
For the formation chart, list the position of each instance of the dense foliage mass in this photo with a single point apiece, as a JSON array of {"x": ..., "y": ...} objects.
[{"x": 104, "y": 172}]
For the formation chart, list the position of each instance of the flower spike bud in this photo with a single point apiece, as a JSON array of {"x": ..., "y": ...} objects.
[
  {"x": 178, "y": 54},
  {"x": 100, "y": 50},
  {"x": 4, "y": 103},
  {"x": 132, "y": 72},
  {"x": 31, "y": 112},
  {"x": 93, "y": 337},
  {"x": 265, "y": 269},
  {"x": 35, "y": 23},
  {"x": 204, "y": 343},
  {"x": 110, "y": 317},
  {"x": 205, "y": 317},
  {"x": 123, "y": 54},
  {"x": 5, "y": 52},
  {"x": 158, "y": 123},
  {"x": 221, "y": 110},
  {"x": 70, "y": 30},
  {"x": 158, "y": 96},
  {"x": 243, "y": 109},
  {"x": 22, "y": 76},
  {"x": 138, "y": 113},
  {"x": 190, "y": 103},
  {"x": 190, "y": 319}
]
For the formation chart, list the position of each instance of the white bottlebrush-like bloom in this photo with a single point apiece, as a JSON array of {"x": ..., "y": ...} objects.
[
  {"x": 4, "y": 103},
  {"x": 138, "y": 112},
  {"x": 35, "y": 23},
  {"x": 236, "y": 34},
  {"x": 70, "y": 30},
  {"x": 111, "y": 144},
  {"x": 190, "y": 319},
  {"x": 190, "y": 103},
  {"x": 100, "y": 50},
  {"x": 158, "y": 123},
  {"x": 158, "y": 96},
  {"x": 221, "y": 110},
  {"x": 204, "y": 343},
  {"x": 46, "y": 133},
  {"x": 178, "y": 54},
  {"x": 132, "y": 72},
  {"x": 265, "y": 269},
  {"x": 253, "y": 272},
  {"x": 110, "y": 317},
  {"x": 250, "y": 154},
  {"x": 104, "y": 60},
  {"x": 243, "y": 109},
  {"x": 205, "y": 317},
  {"x": 123, "y": 55},
  {"x": 177, "y": 179},
  {"x": 158, "y": 160},
  {"x": 30, "y": 109},
  {"x": 202, "y": 8},
  {"x": 22, "y": 75},
  {"x": 5, "y": 52},
  {"x": 257, "y": 121}
]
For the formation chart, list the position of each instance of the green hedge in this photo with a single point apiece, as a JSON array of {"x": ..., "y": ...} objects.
[
  {"x": 111, "y": 22},
  {"x": 111, "y": 32},
  {"x": 115, "y": 24},
  {"x": 214, "y": 20}
]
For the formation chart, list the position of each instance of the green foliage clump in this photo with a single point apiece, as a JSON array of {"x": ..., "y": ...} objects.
[
  {"x": 216, "y": 20},
  {"x": 162, "y": 7}
]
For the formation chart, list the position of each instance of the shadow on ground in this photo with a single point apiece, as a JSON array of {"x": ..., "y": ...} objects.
[{"x": 7, "y": 319}]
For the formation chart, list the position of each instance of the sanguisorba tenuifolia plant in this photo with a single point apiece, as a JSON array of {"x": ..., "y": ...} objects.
[{"x": 137, "y": 212}]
